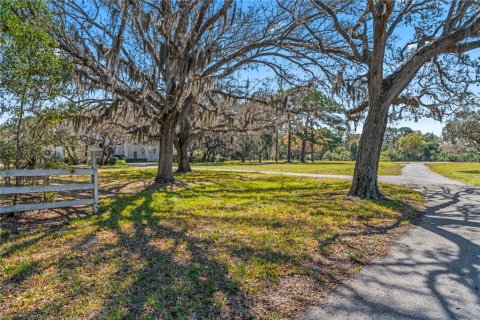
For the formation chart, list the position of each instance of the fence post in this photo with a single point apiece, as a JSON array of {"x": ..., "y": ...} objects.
[
  {"x": 46, "y": 182},
  {"x": 95, "y": 182}
]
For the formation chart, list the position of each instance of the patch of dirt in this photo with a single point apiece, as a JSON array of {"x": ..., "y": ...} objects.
[
  {"x": 30, "y": 220},
  {"x": 114, "y": 188},
  {"x": 289, "y": 297},
  {"x": 338, "y": 259}
]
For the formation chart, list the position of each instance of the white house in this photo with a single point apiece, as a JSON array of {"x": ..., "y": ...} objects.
[
  {"x": 57, "y": 152},
  {"x": 129, "y": 151},
  {"x": 137, "y": 152}
]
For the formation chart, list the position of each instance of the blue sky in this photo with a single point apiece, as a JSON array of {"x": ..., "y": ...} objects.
[{"x": 425, "y": 125}]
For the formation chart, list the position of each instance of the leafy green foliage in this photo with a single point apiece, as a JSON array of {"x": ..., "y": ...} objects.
[
  {"x": 30, "y": 68},
  {"x": 340, "y": 153},
  {"x": 7, "y": 151},
  {"x": 405, "y": 144},
  {"x": 34, "y": 148},
  {"x": 324, "y": 110},
  {"x": 31, "y": 72},
  {"x": 464, "y": 129},
  {"x": 411, "y": 145}
]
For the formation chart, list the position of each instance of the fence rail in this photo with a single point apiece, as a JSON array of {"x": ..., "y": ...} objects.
[
  {"x": 46, "y": 205},
  {"x": 46, "y": 173},
  {"x": 37, "y": 189}
]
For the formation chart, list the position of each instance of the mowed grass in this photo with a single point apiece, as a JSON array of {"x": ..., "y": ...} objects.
[
  {"x": 224, "y": 245},
  {"x": 320, "y": 167},
  {"x": 468, "y": 172}
]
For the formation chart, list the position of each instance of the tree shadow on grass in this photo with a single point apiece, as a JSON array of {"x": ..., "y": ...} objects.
[
  {"x": 21, "y": 272},
  {"x": 22, "y": 245},
  {"x": 166, "y": 272},
  {"x": 350, "y": 250},
  {"x": 172, "y": 274},
  {"x": 471, "y": 171}
]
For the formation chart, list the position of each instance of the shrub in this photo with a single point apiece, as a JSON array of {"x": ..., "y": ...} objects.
[
  {"x": 340, "y": 153},
  {"x": 112, "y": 161}
]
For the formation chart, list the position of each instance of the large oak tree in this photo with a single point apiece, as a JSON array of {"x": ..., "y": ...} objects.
[
  {"x": 159, "y": 57},
  {"x": 389, "y": 57}
]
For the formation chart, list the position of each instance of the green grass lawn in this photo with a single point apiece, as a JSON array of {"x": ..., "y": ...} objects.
[
  {"x": 468, "y": 172},
  {"x": 223, "y": 245},
  {"x": 320, "y": 167}
]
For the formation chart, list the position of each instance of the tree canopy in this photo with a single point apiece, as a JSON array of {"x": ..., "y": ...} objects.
[
  {"x": 177, "y": 73},
  {"x": 31, "y": 72}
]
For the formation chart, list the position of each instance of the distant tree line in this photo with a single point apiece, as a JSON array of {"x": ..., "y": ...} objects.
[{"x": 400, "y": 144}]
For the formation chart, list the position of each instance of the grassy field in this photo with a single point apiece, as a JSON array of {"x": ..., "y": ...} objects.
[
  {"x": 468, "y": 172},
  {"x": 321, "y": 167},
  {"x": 223, "y": 245}
]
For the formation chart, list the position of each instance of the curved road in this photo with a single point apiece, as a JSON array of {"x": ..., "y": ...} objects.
[{"x": 432, "y": 273}]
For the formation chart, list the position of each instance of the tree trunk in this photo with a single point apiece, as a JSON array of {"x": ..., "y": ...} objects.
[
  {"x": 108, "y": 155},
  {"x": 289, "y": 147},
  {"x": 183, "y": 158},
  {"x": 276, "y": 144},
  {"x": 182, "y": 148},
  {"x": 184, "y": 137},
  {"x": 312, "y": 153},
  {"x": 165, "y": 161},
  {"x": 72, "y": 155},
  {"x": 364, "y": 182},
  {"x": 17, "y": 137},
  {"x": 289, "y": 141},
  {"x": 312, "y": 149},
  {"x": 104, "y": 153},
  {"x": 17, "y": 152},
  {"x": 304, "y": 146},
  {"x": 85, "y": 153}
]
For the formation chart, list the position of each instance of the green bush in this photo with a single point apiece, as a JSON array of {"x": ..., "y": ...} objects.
[
  {"x": 112, "y": 161},
  {"x": 219, "y": 158},
  {"x": 456, "y": 157},
  {"x": 340, "y": 153}
]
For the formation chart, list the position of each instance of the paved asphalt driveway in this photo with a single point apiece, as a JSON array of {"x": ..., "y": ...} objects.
[{"x": 433, "y": 273}]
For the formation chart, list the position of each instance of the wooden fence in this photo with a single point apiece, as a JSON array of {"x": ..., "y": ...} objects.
[{"x": 93, "y": 186}]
